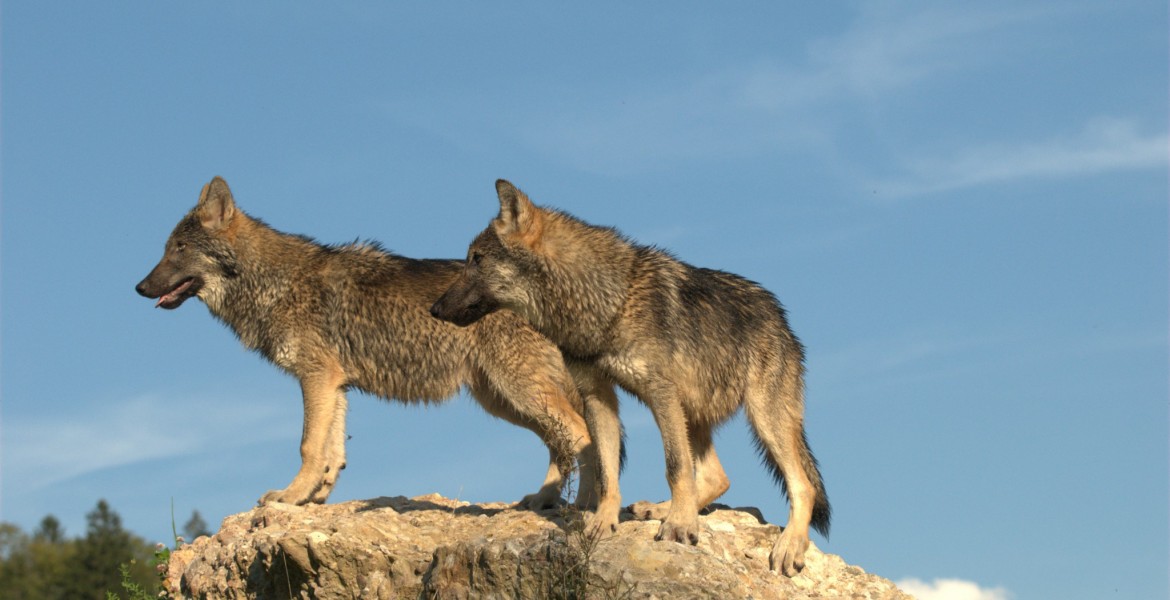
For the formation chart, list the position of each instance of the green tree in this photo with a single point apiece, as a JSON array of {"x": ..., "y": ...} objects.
[
  {"x": 48, "y": 566},
  {"x": 12, "y": 539},
  {"x": 36, "y": 567},
  {"x": 50, "y": 531},
  {"x": 195, "y": 527},
  {"x": 105, "y": 547},
  {"x": 14, "y": 561}
]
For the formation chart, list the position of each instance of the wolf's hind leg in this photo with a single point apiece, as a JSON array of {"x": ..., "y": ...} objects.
[
  {"x": 776, "y": 415},
  {"x": 710, "y": 479}
]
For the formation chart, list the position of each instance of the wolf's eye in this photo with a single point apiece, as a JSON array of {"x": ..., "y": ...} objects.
[
  {"x": 476, "y": 257},
  {"x": 179, "y": 247}
]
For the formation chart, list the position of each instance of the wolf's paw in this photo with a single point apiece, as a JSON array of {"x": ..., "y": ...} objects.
[
  {"x": 271, "y": 497},
  {"x": 647, "y": 511},
  {"x": 328, "y": 482},
  {"x": 683, "y": 531},
  {"x": 600, "y": 526},
  {"x": 788, "y": 554},
  {"x": 322, "y": 494},
  {"x": 545, "y": 498},
  {"x": 285, "y": 496}
]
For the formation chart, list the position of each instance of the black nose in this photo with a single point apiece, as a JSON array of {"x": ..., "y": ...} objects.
[
  {"x": 141, "y": 288},
  {"x": 435, "y": 310}
]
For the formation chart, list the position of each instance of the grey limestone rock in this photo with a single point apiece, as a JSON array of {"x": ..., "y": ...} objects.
[{"x": 434, "y": 547}]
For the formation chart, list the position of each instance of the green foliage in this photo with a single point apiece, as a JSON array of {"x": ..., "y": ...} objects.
[
  {"x": 135, "y": 591},
  {"x": 100, "y": 554},
  {"x": 34, "y": 567},
  {"x": 47, "y": 565}
]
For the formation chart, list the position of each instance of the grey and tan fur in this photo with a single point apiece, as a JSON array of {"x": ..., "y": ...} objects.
[
  {"x": 693, "y": 344},
  {"x": 355, "y": 316}
]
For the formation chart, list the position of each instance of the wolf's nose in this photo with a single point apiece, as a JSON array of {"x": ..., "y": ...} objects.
[{"x": 141, "y": 288}]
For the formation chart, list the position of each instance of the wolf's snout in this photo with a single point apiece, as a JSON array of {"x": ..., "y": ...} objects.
[
  {"x": 463, "y": 306},
  {"x": 447, "y": 309},
  {"x": 169, "y": 295}
]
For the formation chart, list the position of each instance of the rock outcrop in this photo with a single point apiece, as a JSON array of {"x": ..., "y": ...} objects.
[{"x": 433, "y": 547}]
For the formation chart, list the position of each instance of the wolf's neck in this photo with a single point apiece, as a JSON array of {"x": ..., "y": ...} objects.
[
  {"x": 587, "y": 298},
  {"x": 269, "y": 263}
]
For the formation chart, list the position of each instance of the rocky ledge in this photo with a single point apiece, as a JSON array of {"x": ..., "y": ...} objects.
[{"x": 434, "y": 547}]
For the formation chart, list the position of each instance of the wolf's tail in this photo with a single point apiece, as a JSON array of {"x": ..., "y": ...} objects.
[
  {"x": 622, "y": 449},
  {"x": 822, "y": 512}
]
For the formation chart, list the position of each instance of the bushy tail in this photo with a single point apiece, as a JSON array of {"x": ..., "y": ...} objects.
[
  {"x": 622, "y": 450},
  {"x": 822, "y": 512}
]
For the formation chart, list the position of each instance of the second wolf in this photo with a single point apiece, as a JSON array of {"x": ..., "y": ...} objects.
[
  {"x": 354, "y": 316},
  {"x": 693, "y": 344}
]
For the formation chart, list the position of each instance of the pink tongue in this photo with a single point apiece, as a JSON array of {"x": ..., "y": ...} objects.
[{"x": 173, "y": 294}]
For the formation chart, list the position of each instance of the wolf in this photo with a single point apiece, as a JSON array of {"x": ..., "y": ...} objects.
[
  {"x": 356, "y": 317},
  {"x": 693, "y": 344}
]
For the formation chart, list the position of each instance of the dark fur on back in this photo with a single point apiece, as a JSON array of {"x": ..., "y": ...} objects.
[{"x": 733, "y": 323}]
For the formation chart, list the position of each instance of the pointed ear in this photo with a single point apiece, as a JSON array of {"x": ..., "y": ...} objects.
[
  {"x": 519, "y": 218},
  {"x": 216, "y": 207}
]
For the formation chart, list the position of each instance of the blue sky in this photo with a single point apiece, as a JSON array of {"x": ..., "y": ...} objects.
[{"x": 963, "y": 206}]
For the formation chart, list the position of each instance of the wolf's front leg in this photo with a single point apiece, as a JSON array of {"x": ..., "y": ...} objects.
[
  {"x": 323, "y": 434},
  {"x": 334, "y": 451},
  {"x": 601, "y": 415}
]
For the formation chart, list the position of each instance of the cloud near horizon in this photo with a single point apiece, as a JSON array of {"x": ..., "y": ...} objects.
[
  {"x": 950, "y": 589},
  {"x": 40, "y": 451}
]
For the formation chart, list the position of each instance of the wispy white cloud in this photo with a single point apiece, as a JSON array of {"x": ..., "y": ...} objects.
[
  {"x": 41, "y": 451},
  {"x": 1102, "y": 145},
  {"x": 946, "y": 354},
  {"x": 771, "y": 101},
  {"x": 775, "y": 102},
  {"x": 888, "y": 47},
  {"x": 951, "y": 589}
]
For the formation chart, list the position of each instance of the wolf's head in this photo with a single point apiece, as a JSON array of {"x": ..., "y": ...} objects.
[
  {"x": 505, "y": 264},
  {"x": 198, "y": 255}
]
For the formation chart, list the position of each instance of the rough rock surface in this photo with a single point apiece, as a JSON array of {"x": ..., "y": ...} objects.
[{"x": 433, "y": 547}]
